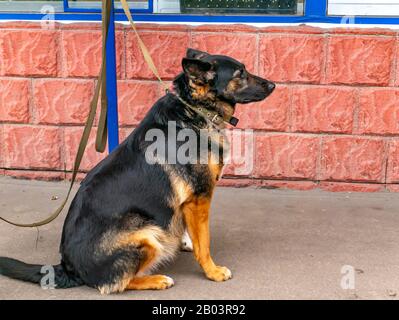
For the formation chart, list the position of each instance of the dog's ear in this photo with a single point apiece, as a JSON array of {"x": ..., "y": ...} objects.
[
  {"x": 198, "y": 70},
  {"x": 195, "y": 54}
]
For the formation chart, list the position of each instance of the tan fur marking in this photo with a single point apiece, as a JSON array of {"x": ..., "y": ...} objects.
[
  {"x": 148, "y": 239},
  {"x": 201, "y": 91},
  {"x": 225, "y": 108},
  {"x": 154, "y": 282},
  {"x": 182, "y": 191},
  {"x": 157, "y": 244},
  {"x": 196, "y": 215},
  {"x": 214, "y": 163},
  {"x": 216, "y": 170},
  {"x": 233, "y": 85}
]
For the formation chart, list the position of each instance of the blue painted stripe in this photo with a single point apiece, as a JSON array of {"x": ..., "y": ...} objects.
[
  {"x": 315, "y": 12},
  {"x": 316, "y": 8},
  {"x": 66, "y": 4},
  {"x": 112, "y": 92},
  {"x": 205, "y": 18}
]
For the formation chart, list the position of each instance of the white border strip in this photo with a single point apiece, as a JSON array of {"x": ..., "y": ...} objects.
[{"x": 259, "y": 25}]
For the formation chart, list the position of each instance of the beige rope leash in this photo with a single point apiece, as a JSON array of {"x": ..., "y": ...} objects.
[
  {"x": 101, "y": 138},
  {"x": 101, "y": 133}
]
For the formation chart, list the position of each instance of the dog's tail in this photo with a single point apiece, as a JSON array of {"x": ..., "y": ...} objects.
[{"x": 34, "y": 273}]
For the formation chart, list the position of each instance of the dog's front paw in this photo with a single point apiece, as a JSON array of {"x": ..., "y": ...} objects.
[{"x": 219, "y": 274}]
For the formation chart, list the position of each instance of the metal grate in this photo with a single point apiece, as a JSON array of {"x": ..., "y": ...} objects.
[{"x": 239, "y": 6}]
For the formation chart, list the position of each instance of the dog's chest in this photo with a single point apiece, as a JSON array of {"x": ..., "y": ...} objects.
[{"x": 217, "y": 161}]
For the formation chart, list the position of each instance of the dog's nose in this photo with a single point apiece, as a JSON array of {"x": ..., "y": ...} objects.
[{"x": 271, "y": 86}]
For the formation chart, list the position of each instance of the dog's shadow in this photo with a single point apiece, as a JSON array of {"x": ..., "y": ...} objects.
[{"x": 226, "y": 249}]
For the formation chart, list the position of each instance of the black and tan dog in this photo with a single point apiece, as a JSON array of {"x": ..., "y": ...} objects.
[{"x": 129, "y": 216}]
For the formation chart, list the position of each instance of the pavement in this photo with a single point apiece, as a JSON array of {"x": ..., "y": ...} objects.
[{"x": 278, "y": 244}]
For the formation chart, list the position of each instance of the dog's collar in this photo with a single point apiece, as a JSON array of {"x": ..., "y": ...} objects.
[{"x": 212, "y": 115}]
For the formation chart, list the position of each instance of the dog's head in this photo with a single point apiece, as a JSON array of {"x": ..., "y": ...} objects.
[{"x": 223, "y": 78}]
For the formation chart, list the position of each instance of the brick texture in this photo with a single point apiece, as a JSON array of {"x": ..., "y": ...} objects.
[
  {"x": 14, "y": 100},
  {"x": 135, "y": 99},
  {"x": 292, "y": 58},
  {"x": 240, "y": 160},
  {"x": 286, "y": 156},
  {"x": 270, "y": 114},
  {"x": 61, "y": 101},
  {"x": 350, "y": 187},
  {"x": 393, "y": 162},
  {"x": 294, "y": 185},
  {"x": 32, "y": 147},
  {"x": 1, "y": 149},
  {"x": 91, "y": 157},
  {"x": 36, "y": 175},
  {"x": 393, "y": 187},
  {"x": 323, "y": 109},
  {"x": 360, "y": 60},
  {"x": 379, "y": 111},
  {"x": 82, "y": 53},
  {"x": 238, "y": 46},
  {"x": 352, "y": 159},
  {"x": 166, "y": 49},
  {"x": 29, "y": 52},
  {"x": 332, "y": 122}
]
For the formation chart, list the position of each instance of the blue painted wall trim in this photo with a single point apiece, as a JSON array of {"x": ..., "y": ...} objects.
[
  {"x": 315, "y": 11},
  {"x": 316, "y": 8},
  {"x": 197, "y": 18}
]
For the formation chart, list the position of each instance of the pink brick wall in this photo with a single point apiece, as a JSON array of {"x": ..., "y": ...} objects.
[{"x": 332, "y": 123}]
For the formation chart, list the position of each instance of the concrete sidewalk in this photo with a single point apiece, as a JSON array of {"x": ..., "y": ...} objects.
[{"x": 278, "y": 244}]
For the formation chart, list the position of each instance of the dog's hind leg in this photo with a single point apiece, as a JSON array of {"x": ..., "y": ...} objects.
[
  {"x": 153, "y": 282},
  {"x": 153, "y": 244}
]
